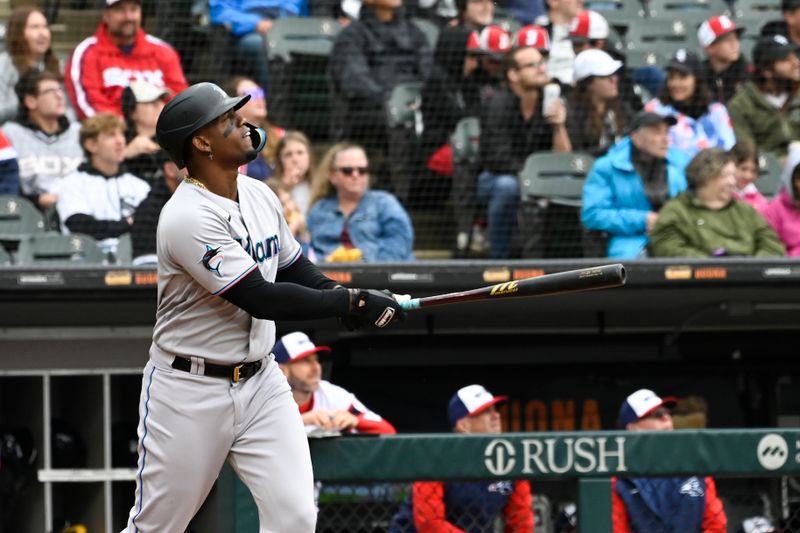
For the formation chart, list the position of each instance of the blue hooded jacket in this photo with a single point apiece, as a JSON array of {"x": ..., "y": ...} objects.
[{"x": 614, "y": 199}]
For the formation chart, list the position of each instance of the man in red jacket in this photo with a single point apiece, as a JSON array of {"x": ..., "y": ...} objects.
[{"x": 119, "y": 52}]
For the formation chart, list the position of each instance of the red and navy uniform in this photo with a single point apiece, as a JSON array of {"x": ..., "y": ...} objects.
[
  {"x": 466, "y": 507},
  {"x": 667, "y": 505}
]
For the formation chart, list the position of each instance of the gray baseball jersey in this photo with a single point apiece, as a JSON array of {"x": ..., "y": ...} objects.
[{"x": 207, "y": 243}]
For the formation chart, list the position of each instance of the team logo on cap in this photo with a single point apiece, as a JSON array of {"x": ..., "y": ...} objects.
[{"x": 212, "y": 259}]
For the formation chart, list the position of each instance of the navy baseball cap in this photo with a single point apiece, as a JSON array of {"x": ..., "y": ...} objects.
[
  {"x": 640, "y": 404},
  {"x": 295, "y": 346},
  {"x": 469, "y": 401}
]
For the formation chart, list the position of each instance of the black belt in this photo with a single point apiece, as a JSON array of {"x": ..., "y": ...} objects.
[{"x": 234, "y": 373}]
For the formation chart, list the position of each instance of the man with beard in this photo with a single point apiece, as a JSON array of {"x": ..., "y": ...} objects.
[
  {"x": 766, "y": 111},
  {"x": 118, "y": 53},
  {"x": 324, "y": 407},
  {"x": 514, "y": 124}
]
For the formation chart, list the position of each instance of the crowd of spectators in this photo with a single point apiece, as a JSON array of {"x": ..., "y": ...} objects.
[{"x": 555, "y": 82}]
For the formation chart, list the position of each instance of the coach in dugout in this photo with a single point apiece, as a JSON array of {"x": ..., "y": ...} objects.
[
  {"x": 119, "y": 52},
  {"x": 647, "y": 505},
  {"x": 324, "y": 407},
  {"x": 468, "y": 506}
]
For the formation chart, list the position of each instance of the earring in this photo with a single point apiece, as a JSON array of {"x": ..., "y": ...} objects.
[{"x": 210, "y": 156}]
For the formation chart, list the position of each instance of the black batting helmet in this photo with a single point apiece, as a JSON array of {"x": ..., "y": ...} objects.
[{"x": 190, "y": 110}]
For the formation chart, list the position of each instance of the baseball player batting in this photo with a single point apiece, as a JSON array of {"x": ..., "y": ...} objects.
[{"x": 228, "y": 266}]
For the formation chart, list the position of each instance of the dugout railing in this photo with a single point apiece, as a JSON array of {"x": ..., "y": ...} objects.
[{"x": 365, "y": 479}]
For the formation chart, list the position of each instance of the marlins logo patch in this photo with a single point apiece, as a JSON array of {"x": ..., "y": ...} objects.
[{"x": 212, "y": 259}]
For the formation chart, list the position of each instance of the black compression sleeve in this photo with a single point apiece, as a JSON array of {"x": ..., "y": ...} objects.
[
  {"x": 304, "y": 272},
  {"x": 286, "y": 301}
]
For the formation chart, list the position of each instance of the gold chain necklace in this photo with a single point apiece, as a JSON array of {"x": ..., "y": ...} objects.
[{"x": 189, "y": 179}]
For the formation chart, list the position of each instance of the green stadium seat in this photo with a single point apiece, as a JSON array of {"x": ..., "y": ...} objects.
[
  {"x": 753, "y": 14},
  {"x": 124, "y": 253},
  {"x": 687, "y": 10},
  {"x": 403, "y": 105},
  {"x": 666, "y": 37},
  {"x": 465, "y": 139},
  {"x": 768, "y": 182},
  {"x": 56, "y": 249},
  {"x": 302, "y": 35},
  {"x": 19, "y": 218},
  {"x": 644, "y": 58},
  {"x": 556, "y": 176},
  {"x": 551, "y": 187},
  {"x": 5, "y": 257},
  {"x": 299, "y": 89},
  {"x": 620, "y": 14},
  {"x": 427, "y": 27}
]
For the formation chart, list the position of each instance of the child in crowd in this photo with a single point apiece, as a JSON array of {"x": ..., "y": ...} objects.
[
  {"x": 745, "y": 156},
  {"x": 294, "y": 217}
]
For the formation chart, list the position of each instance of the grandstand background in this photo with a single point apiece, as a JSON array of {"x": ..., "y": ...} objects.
[{"x": 75, "y": 322}]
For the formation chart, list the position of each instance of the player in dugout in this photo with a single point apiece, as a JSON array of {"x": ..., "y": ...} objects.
[
  {"x": 324, "y": 407},
  {"x": 228, "y": 267},
  {"x": 468, "y": 506}
]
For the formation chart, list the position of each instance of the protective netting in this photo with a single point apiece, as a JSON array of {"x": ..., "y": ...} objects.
[
  {"x": 432, "y": 90},
  {"x": 739, "y": 505}
]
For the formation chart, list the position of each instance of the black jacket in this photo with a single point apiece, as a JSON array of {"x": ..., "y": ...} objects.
[
  {"x": 724, "y": 85},
  {"x": 145, "y": 219},
  {"x": 506, "y": 138},
  {"x": 370, "y": 57},
  {"x": 447, "y": 95}
]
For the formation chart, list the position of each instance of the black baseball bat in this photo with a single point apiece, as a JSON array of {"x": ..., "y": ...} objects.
[{"x": 584, "y": 279}]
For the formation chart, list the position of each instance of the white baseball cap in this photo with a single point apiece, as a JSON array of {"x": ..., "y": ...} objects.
[
  {"x": 469, "y": 401},
  {"x": 714, "y": 28},
  {"x": 594, "y": 62},
  {"x": 757, "y": 524},
  {"x": 145, "y": 92},
  {"x": 640, "y": 404},
  {"x": 295, "y": 346},
  {"x": 588, "y": 24}
]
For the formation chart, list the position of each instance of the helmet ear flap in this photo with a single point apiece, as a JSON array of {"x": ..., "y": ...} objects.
[{"x": 258, "y": 136}]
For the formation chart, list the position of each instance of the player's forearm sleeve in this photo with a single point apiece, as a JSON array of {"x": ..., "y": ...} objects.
[
  {"x": 286, "y": 301},
  {"x": 304, "y": 272}
]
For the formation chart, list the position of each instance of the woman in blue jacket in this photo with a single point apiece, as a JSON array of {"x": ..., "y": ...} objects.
[{"x": 349, "y": 222}]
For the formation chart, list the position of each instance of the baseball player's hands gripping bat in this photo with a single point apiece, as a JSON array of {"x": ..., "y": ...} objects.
[{"x": 585, "y": 279}]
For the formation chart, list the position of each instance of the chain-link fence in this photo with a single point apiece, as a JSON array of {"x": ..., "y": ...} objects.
[
  {"x": 451, "y": 114},
  {"x": 664, "y": 504}
]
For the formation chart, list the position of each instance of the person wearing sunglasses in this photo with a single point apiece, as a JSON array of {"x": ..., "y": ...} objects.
[
  {"x": 640, "y": 505},
  {"x": 350, "y": 222}
]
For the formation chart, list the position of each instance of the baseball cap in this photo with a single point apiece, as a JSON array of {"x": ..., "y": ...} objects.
[
  {"x": 533, "y": 36},
  {"x": 295, "y": 346},
  {"x": 145, "y": 92},
  {"x": 647, "y": 118},
  {"x": 594, "y": 62},
  {"x": 772, "y": 48},
  {"x": 474, "y": 43},
  {"x": 641, "y": 403},
  {"x": 714, "y": 28},
  {"x": 109, "y": 3},
  {"x": 495, "y": 41},
  {"x": 588, "y": 25},
  {"x": 470, "y": 401},
  {"x": 788, "y": 5},
  {"x": 684, "y": 61}
]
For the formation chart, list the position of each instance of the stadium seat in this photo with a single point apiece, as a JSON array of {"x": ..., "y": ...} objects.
[
  {"x": 403, "y": 106},
  {"x": 620, "y": 14},
  {"x": 667, "y": 37},
  {"x": 5, "y": 257},
  {"x": 299, "y": 90},
  {"x": 558, "y": 177},
  {"x": 124, "y": 253},
  {"x": 19, "y": 218},
  {"x": 427, "y": 27},
  {"x": 302, "y": 35},
  {"x": 55, "y": 248},
  {"x": 687, "y": 10},
  {"x": 465, "y": 142},
  {"x": 754, "y": 13},
  {"x": 404, "y": 126},
  {"x": 768, "y": 182},
  {"x": 644, "y": 58},
  {"x": 551, "y": 186}
]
